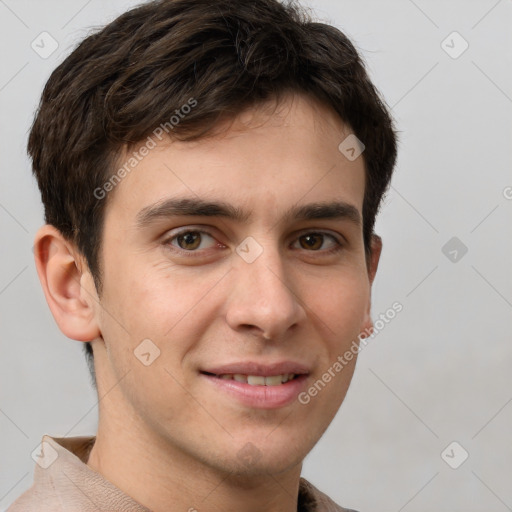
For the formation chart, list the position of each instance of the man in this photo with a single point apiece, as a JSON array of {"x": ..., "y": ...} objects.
[{"x": 211, "y": 174}]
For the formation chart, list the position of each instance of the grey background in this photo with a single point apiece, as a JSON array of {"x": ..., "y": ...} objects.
[{"x": 438, "y": 372}]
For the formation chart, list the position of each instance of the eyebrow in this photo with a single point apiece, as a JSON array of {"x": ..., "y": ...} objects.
[{"x": 196, "y": 207}]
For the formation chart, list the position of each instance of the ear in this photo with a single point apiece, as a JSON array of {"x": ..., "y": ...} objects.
[
  {"x": 67, "y": 284},
  {"x": 373, "y": 263}
]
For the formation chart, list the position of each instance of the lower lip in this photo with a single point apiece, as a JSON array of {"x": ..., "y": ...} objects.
[{"x": 260, "y": 397}]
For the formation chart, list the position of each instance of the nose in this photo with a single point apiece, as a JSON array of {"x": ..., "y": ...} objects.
[{"x": 262, "y": 301}]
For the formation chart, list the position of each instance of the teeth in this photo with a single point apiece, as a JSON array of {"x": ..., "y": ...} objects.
[
  {"x": 275, "y": 380},
  {"x": 253, "y": 380},
  {"x": 259, "y": 380}
]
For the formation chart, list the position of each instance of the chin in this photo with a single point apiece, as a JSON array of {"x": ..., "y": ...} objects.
[
  {"x": 264, "y": 458},
  {"x": 244, "y": 459},
  {"x": 264, "y": 467}
]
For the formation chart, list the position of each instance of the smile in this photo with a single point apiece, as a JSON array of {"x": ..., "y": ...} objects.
[
  {"x": 258, "y": 380},
  {"x": 258, "y": 391}
]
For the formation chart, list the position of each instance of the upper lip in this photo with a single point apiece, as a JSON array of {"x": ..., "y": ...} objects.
[{"x": 255, "y": 368}]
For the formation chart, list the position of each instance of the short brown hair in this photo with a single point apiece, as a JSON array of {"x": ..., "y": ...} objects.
[{"x": 122, "y": 82}]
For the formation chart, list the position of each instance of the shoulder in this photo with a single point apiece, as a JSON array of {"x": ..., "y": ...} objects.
[{"x": 32, "y": 500}]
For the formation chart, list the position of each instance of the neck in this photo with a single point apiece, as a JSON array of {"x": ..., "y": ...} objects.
[{"x": 157, "y": 476}]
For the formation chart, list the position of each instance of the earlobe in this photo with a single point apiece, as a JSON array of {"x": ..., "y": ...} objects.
[
  {"x": 67, "y": 285},
  {"x": 373, "y": 263}
]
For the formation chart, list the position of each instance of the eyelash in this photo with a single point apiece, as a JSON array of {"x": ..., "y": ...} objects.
[{"x": 198, "y": 252}]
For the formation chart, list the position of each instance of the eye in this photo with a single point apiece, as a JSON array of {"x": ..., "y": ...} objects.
[
  {"x": 194, "y": 240},
  {"x": 315, "y": 241},
  {"x": 190, "y": 240}
]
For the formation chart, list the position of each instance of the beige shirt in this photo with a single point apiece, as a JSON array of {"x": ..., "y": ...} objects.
[{"x": 64, "y": 482}]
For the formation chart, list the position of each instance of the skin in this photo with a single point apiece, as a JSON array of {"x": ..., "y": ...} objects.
[{"x": 165, "y": 434}]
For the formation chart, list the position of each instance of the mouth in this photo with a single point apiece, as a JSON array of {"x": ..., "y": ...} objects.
[
  {"x": 258, "y": 386},
  {"x": 256, "y": 380}
]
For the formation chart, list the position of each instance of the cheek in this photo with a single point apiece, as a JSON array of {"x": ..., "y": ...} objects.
[
  {"x": 339, "y": 309},
  {"x": 341, "y": 305},
  {"x": 153, "y": 320},
  {"x": 170, "y": 307}
]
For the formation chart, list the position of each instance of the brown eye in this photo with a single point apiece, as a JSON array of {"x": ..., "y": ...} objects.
[
  {"x": 312, "y": 241},
  {"x": 322, "y": 242},
  {"x": 189, "y": 241}
]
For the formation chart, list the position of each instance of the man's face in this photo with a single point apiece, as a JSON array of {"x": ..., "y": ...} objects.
[{"x": 265, "y": 293}]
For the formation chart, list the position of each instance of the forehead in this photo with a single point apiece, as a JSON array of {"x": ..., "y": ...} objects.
[{"x": 267, "y": 159}]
